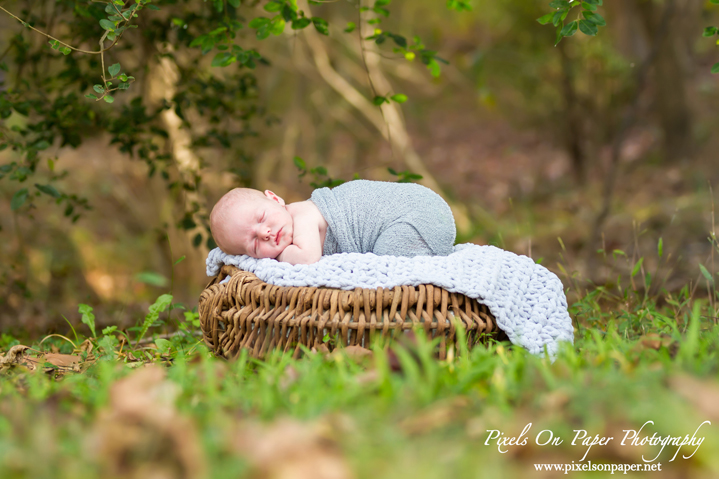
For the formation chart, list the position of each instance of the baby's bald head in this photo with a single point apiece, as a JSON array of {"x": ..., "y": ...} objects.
[{"x": 233, "y": 201}]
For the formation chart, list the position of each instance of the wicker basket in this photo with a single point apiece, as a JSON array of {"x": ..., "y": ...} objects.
[{"x": 246, "y": 312}]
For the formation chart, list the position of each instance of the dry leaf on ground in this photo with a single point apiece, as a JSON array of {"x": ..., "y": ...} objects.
[
  {"x": 703, "y": 394},
  {"x": 436, "y": 416},
  {"x": 14, "y": 355},
  {"x": 353, "y": 352},
  {"x": 289, "y": 449},
  {"x": 62, "y": 362},
  {"x": 140, "y": 434}
]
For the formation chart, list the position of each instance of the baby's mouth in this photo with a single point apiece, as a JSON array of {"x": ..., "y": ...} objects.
[{"x": 278, "y": 236}]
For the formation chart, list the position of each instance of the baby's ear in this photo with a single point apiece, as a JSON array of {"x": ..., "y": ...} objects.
[{"x": 271, "y": 195}]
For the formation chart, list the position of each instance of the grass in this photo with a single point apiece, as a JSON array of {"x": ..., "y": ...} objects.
[{"x": 170, "y": 409}]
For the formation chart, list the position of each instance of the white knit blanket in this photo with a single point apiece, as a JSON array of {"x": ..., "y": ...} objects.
[{"x": 526, "y": 299}]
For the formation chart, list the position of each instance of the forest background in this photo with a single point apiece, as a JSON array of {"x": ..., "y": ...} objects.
[{"x": 584, "y": 155}]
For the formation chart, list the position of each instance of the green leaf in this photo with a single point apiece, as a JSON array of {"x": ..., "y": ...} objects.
[
  {"x": 163, "y": 345},
  {"x": 378, "y": 100},
  {"x": 41, "y": 145},
  {"x": 109, "y": 330},
  {"x": 399, "y": 98},
  {"x": 321, "y": 25},
  {"x": 559, "y": 3},
  {"x": 273, "y": 7},
  {"x": 278, "y": 25},
  {"x": 399, "y": 40},
  {"x": 218, "y": 30},
  {"x": 709, "y": 31},
  {"x": 706, "y": 274},
  {"x": 434, "y": 68},
  {"x": 114, "y": 69},
  {"x": 350, "y": 27},
  {"x": 715, "y": 2},
  {"x": 179, "y": 260},
  {"x": 300, "y": 23},
  {"x": 65, "y": 50},
  {"x": 637, "y": 266},
  {"x": 152, "y": 278},
  {"x": 557, "y": 18},
  {"x": 263, "y": 32},
  {"x": 589, "y": 6},
  {"x": 715, "y": 68},
  {"x": 107, "y": 344},
  {"x": 155, "y": 7},
  {"x": 223, "y": 59},
  {"x": 108, "y": 98},
  {"x": 660, "y": 247},
  {"x": 48, "y": 190},
  {"x": 98, "y": 88},
  {"x": 587, "y": 27},
  {"x": 569, "y": 29},
  {"x": 288, "y": 13},
  {"x": 18, "y": 199},
  {"x": 595, "y": 18},
  {"x": 87, "y": 317},
  {"x": 258, "y": 22},
  {"x": 107, "y": 25},
  {"x": 90, "y": 95},
  {"x": 546, "y": 18},
  {"x": 299, "y": 163},
  {"x": 160, "y": 305}
]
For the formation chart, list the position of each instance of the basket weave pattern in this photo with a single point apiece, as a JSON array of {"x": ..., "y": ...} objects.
[{"x": 247, "y": 313}]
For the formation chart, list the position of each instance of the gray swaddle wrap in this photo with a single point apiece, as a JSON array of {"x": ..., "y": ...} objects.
[{"x": 397, "y": 219}]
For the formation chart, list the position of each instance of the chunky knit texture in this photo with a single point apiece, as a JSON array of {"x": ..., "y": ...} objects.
[
  {"x": 398, "y": 219},
  {"x": 526, "y": 299}
]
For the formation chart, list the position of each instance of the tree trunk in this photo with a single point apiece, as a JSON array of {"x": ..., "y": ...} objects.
[
  {"x": 162, "y": 80},
  {"x": 573, "y": 119},
  {"x": 671, "y": 101}
]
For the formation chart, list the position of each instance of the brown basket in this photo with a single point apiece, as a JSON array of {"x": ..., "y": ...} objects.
[{"x": 246, "y": 312}]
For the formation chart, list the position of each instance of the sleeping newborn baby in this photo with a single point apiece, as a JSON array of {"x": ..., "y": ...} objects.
[{"x": 398, "y": 219}]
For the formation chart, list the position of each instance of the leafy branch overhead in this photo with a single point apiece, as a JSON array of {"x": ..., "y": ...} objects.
[
  {"x": 586, "y": 21},
  {"x": 710, "y": 32},
  {"x": 54, "y": 117}
]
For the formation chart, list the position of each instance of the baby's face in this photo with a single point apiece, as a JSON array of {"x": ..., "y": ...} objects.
[{"x": 261, "y": 229}]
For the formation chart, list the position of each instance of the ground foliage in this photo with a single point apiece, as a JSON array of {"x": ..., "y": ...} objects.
[{"x": 119, "y": 406}]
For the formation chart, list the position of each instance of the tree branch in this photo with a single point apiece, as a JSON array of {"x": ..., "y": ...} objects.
[
  {"x": 388, "y": 120},
  {"x": 102, "y": 50}
]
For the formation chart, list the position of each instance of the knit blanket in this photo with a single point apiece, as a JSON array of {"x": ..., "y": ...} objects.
[{"x": 526, "y": 299}]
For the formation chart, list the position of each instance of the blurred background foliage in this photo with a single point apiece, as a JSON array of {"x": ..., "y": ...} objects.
[{"x": 604, "y": 142}]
